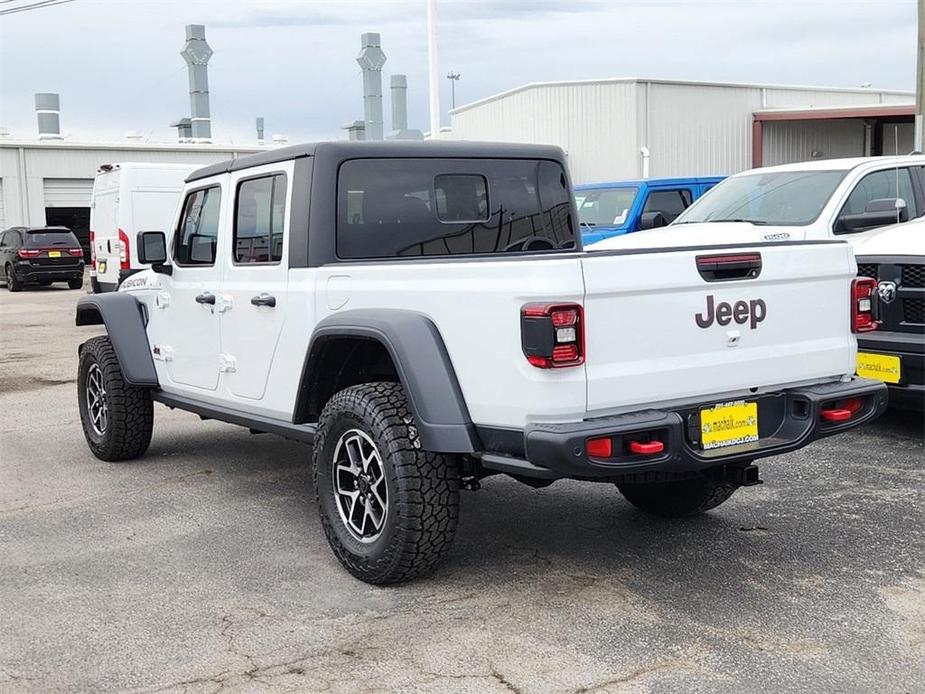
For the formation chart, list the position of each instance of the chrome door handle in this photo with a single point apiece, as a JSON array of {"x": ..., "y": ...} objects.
[
  {"x": 264, "y": 300},
  {"x": 206, "y": 298}
]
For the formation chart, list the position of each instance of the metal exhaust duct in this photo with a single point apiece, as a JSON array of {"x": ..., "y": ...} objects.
[
  {"x": 259, "y": 131},
  {"x": 400, "y": 131},
  {"x": 399, "y": 84},
  {"x": 371, "y": 60},
  {"x": 196, "y": 53},
  {"x": 48, "y": 115}
]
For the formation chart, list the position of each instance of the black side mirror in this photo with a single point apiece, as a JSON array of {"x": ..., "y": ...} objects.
[
  {"x": 877, "y": 213},
  {"x": 652, "y": 220},
  {"x": 152, "y": 250}
]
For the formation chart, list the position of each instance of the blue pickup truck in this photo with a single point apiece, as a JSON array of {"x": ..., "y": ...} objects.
[{"x": 612, "y": 209}]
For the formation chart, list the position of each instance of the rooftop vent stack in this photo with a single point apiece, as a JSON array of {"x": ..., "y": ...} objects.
[
  {"x": 356, "y": 130},
  {"x": 259, "y": 130},
  {"x": 371, "y": 60},
  {"x": 47, "y": 113},
  {"x": 399, "y": 85},
  {"x": 196, "y": 53},
  {"x": 184, "y": 129}
]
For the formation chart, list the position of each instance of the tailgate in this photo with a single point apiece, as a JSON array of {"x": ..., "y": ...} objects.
[{"x": 650, "y": 339}]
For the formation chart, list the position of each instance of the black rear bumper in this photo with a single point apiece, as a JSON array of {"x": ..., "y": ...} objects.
[
  {"x": 51, "y": 273},
  {"x": 787, "y": 420}
]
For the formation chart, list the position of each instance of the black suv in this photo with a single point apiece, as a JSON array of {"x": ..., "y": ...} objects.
[{"x": 40, "y": 255}]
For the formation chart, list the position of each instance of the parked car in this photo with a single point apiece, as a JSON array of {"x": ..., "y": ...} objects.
[
  {"x": 621, "y": 207},
  {"x": 422, "y": 314},
  {"x": 127, "y": 198},
  {"x": 40, "y": 255},
  {"x": 821, "y": 199},
  {"x": 895, "y": 353}
]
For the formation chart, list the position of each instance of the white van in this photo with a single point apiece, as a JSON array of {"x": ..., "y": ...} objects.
[{"x": 128, "y": 198}]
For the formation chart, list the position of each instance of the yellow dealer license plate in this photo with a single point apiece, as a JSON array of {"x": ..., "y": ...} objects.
[
  {"x": 101, "y": 268},
  {"x": 883, "y": 367},
  {"x": 728, "y": 424},
  {"x": 54, "y": 254}
]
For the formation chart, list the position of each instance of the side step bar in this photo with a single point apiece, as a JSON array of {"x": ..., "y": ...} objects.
[{"x": 254, "y": 422}]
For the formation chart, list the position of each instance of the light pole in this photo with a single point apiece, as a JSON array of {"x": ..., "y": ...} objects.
[{"x": 453, "y": 77}]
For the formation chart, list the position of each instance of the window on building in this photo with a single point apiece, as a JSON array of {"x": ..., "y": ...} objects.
[
  {"x": 670, "y": 203},
  {"x": 260, "y": 213},
  {"x": 198, "y": 232}
]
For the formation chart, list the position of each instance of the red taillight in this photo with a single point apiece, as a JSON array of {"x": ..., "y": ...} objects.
[
  {"x": 552, "y": 335},
  {"x": 600, "y": 447},
  {"x": 124, "y": 262},
  {"x": 93, "y": 248},
  {"x": 28, "y": 253},
  {"x": 76, "y": 252},
  {"x": 863, "y": 294}
]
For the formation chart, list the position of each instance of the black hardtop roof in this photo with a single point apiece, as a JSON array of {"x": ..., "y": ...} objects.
[{"x": 397, "y": 148}]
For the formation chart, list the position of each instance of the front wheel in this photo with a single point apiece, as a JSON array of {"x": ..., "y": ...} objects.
[
  {"x": 117, "y": 417},
  {"x": 389, "y": 508},
  {"x": 678, "y": 499}
]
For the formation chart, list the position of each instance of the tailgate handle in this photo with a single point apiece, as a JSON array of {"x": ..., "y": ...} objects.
[{"x": 721, "y": 268}]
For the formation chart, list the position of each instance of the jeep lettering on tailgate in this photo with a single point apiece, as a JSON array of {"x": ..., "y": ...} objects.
[{"x": 751, "y": 312}]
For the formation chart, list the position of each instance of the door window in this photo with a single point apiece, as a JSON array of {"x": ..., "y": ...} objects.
[
  {"x": 879, "y": 185},
  {"x": 260, "y": 213},
  {"x": 198, "y": 231},
  {"x": 670, "y": 203}
]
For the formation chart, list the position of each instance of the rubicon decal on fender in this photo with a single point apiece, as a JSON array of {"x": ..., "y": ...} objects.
[{"x": 752, "y": 312}]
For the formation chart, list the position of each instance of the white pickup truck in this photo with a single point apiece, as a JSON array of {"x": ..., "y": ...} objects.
[
  {"x": 820, "y": 199},
  {"x": 424, "y": 315}
]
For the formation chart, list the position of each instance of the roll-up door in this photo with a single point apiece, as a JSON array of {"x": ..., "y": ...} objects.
[{"x": 68, "y": 192}]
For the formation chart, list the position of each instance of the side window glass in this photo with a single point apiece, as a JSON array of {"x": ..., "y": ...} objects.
[
  {"x": 670, "y": 203},
  {"x": 889, "y": 184},
  {"x": 198, "y": 232},
  {"x": 260, "y": 214}
]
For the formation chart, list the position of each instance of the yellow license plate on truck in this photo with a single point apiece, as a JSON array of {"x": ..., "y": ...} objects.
[
  {"x": 728, "y": 424},
  {"x": 883, "y": 367}
]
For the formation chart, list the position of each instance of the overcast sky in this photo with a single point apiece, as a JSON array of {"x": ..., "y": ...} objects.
[{"x": 117, "y": 67}]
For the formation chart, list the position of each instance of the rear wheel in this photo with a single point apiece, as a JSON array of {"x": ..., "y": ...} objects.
[
  {"x": 13, "y": 283},
  {"x": 117, "y": 417},
  {"x": 389, "y": 508},
  {"x": 678, "y": 499},
  {"x": 75, "y": 283}
]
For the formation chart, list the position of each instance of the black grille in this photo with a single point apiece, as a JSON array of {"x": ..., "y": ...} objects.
[
  {"x": 914, "y": 310},
  {"x": 913, "y": 275},
  {"x": 867, "y": 270}
]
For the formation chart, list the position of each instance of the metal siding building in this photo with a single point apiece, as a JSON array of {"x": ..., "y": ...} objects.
[
  {"x": 50, "y": 181},
  {"x": 689, "y": 128}
]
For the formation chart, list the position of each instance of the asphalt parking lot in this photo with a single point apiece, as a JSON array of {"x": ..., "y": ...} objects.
[{"x": 203, "y": 567}]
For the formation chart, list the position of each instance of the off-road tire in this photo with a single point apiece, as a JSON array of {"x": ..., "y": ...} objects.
[
  {"x": 679, "y": 499},
  {"x": 13, "y": 283},
  {"x": 75, "y": 284},
  {"x": 130, "y": 418},
  {"x": 423, "y": 487}
]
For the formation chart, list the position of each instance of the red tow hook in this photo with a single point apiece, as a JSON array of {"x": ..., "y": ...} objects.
[
  {"x": 838, "y": 415},
  {"x": 649, "y": 448}
]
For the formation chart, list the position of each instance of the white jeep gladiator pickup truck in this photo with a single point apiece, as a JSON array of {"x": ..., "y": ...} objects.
[{"x": 424, "y": 315}]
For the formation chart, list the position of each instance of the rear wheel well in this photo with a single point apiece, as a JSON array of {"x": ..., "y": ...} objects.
[{"x": 338, "y": 363}]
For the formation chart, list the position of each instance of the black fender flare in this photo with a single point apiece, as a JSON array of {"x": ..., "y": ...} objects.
[
  {"x": 125, "y": 319},
  {"x": 424, "y": 369}
]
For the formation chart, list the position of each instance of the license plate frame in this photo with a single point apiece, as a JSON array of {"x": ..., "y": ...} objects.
[
  {"x": 728, "y": 424},
  {"x": 880, "y": 367}
]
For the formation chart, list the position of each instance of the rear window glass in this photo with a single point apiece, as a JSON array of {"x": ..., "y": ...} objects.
[
  {"x": 437, "y": 207},
  {"x": 41, "y": 239}
]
